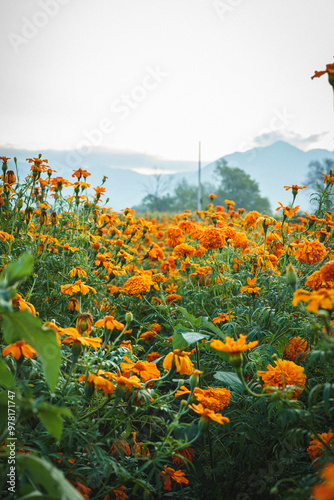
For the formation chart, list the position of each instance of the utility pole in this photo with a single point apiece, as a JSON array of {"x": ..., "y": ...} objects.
[{"x": 199, "y": 190}]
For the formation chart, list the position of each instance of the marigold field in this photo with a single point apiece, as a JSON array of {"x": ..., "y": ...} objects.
[{"x": 186, "y": 356}]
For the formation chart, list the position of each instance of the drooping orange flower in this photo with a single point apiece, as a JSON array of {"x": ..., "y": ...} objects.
[
  {"x": 98, "y": 382},
  {"x": 310, "y": 252},
  {"x": 325, "y": 491},
  {"x": 214, "y": 399},
  {"x": 136, "y": 285},
  {"x": 182, "y": 391},
  {"x": 74, "y": 337},
  {"x": 19, "y": 304},
  {"x": 78, "y": 271},
  {"x": 318, "y": 299},
  {"x": 109, "y": 323},
  {"x": 212, "y": 238},
  {"x": 125, "y": 382},
  {"x": 207, "y": 414},
  {"x": 283, "y": 374},
  {"x": 84, "y": 324},
  {"x": 77, "y": 287},
  {"x": 186, "y": 455},
  {"x": 250, "y": 288},
  {"x": 222, "y": 317},
  {"x": 180, "y": 359},
  {"x": 295, "y": 349},
  {"x": 20, "y": 350},
  {"x": 176, "y": 475}
]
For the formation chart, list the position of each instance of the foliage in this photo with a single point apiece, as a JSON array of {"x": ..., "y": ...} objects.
[{"x": 136, "y": 350}]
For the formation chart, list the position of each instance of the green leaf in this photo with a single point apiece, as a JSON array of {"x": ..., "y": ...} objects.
[
  {"x": 5, "y": 301},
  {"x": 213, "y": 328},
  {"x": 230, "y": 380},
  {"x": 23, "y": 325},
  {"x": 179, "y": 342},
  {"x": 189, "y": 316},
  {"x": 47, "y": 477},
  {"x": 192, "y": 337},
  {"x": 186, "y": 432},
  {"x": 16, "y": 271},
  {"x": 6, "y": 376},
  {"x": 51, "y": 417}
]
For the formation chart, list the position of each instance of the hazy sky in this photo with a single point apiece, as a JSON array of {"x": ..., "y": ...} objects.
[{"x": 155, "y": 76}]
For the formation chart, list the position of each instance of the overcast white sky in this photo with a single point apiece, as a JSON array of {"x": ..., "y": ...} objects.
[{"x": 155, "y": 76}]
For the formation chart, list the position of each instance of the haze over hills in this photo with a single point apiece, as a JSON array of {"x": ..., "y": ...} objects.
[{"x": 273, "y": 167}]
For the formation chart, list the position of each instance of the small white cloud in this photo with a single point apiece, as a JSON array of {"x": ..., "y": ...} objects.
[
  {"x": 293, "y": 138},
  {"x": 152, "y": 171}
]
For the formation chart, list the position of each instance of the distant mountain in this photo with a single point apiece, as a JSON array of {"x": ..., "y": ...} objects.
[{"x": 273, "y": 167}]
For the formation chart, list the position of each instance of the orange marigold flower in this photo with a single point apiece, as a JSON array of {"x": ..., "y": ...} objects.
[
  {"x": 213, "y": 399},
  {"x": 77, "y": 287},
  {"x": 20, "y": 350},
  {"x": 147, "y": 335},
  {"x": 74, "y": 337},
  {"x": 152, "y": 356},
  {"x": 173, "y": 298},
  {"x": 136, "y": 285},
  {"x": 126, "y": 383},
  {"x": 250, "y": 288},
  {"x": 174, "y": 236},
  {"x": 98, "y": 382},
  {"x": 73, "y": 304},
  {"x": 182, "y": 250},
  {"x": 117, "y": 494},
  {"x": 283, "y": 374},
  {"x": 294, "y": 188},
  {"x": 288, "y": 211},
  {"x": 316, "y": 447},
  {"x": 186, "y": 454},
  {"x": 233, "y": 347},
  {"x": 251, "y": 218},
  {"x": 315, "y": 281},
  {"x": 212, "y": 238},
  {"x": 19, "y": 304},
  {"x": 325, "y": 491},
  {"x": 180, "y": 359},
  {"x": 84, "y": 324},
  {"x": 207, "y": 414},
  {"x": 182, "y": 391},
  {"x": 120, "y": 446},
  {"x": 146, "y": 370},
  {"x": 319, "y": 299},
  {"x": 176, "y": 475},
  {"x": 78, "y": 271},
  {"x": 222, "y": 317},
  {"x": 78, "y": 173},
  {"x": 109, "y": 323},
  {"x": 83, "y": 490},
  {"x": 327, "y": 271},
  {"x": 310, "y": 252},
  {"x": 296, "y": 346}
]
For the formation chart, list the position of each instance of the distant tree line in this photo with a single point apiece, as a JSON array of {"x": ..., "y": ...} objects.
[{"x": 231, "y": 184}]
